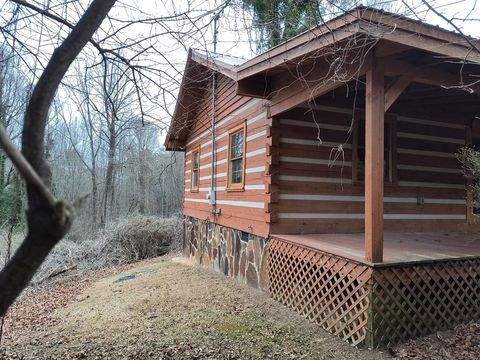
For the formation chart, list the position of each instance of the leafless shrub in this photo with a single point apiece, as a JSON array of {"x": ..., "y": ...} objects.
[
  {"x": 128, "y": 240},
  {"x": 141, "y": 237}
]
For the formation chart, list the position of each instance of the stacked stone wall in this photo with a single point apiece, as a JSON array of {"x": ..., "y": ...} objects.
[{"x": 230, "y": 251}]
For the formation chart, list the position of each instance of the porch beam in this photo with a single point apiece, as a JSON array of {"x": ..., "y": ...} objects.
[
  {"x": 428, "y": 76},
  {"x": 292, "y": 90},
  {"x": 394, "y": 92},
  {"x": 374, "y": 147}
]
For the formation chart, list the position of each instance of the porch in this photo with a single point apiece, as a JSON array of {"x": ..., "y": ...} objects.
[
  {"x": 427, "y": 282},
  {"x": 398, "y": 248}
]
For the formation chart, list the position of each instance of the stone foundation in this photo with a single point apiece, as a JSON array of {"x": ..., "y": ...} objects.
[{"x": 232, "y": 252}]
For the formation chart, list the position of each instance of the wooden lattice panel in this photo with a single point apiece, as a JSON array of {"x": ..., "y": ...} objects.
[
  {"x": 414, "y": 300},
  {"x": 328, "y": 290}
]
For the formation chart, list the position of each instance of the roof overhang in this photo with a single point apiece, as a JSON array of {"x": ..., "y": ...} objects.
[{"x": 389, "y": 32}]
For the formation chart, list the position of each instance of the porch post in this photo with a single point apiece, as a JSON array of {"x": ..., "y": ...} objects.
[{"x": 374, "y": 139}]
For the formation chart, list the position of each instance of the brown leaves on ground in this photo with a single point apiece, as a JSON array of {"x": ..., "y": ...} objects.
[
  {"x": 160, "y": 309},
  {"x": 463, "y": 342},
  {"x": 35, "y": 308}
]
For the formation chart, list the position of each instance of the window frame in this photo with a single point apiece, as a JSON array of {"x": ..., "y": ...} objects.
[
  {"x": 231, "y": 132},
  {"x": 390, "y": 137},
  {"x": 193, "y": 170}
]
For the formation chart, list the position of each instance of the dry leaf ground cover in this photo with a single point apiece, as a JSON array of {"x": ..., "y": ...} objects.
[{"x": 164, "y": 309}]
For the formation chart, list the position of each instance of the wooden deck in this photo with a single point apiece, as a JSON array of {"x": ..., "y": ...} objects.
[{"x": 399, "y": 248}]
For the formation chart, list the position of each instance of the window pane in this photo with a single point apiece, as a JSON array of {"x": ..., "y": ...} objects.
[
  {"x": 236, "y": 171},
  {"x": 236, "y": 145},
  {"x": 195, "y": 160},
  {"x": 194, "y": 178}
]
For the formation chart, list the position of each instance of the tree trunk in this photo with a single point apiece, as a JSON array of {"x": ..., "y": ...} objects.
[
  {"x": 93, "y": 177},
  {"x": 109, "y": 183}
]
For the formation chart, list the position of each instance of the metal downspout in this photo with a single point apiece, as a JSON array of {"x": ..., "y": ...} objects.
[{"x": 213, "y": 197}]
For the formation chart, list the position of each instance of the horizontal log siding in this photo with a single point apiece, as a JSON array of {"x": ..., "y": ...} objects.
[
  {"x": 317, "y": 194},
  {"x": 243, "y": 210}
]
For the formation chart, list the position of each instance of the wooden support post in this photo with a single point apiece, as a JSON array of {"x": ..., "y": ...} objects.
[{"x": 374, "y": 147}]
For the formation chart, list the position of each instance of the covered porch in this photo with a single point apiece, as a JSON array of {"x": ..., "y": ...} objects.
[
  {"x": 374, "y": 247},
  {"x": 366, "y": 197}
]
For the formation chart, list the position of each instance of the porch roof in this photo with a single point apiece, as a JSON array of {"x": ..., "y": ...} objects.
[{"x": 254, "y": 77}]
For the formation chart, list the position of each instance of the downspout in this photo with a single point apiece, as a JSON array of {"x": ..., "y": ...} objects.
[{"x": 212, "y": 194}]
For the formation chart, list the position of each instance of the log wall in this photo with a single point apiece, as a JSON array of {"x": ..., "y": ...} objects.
[
  {"x": 243, "y": 210},
  {"x": 317, "y": 190}
]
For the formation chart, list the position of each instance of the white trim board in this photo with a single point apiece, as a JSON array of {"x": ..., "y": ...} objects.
[
  {"x": 429, "y": 169},
  {"x": 315, "y": 179},
  {"x": 431, "y": 185},
  {"x": 248, "y": 204},
  {"x": 426, "y": 153},
  {"x": 430, "y": 122},
  {"x": 399, "y": 118},
  {"x": 247, "y": 171},
  {"x": 246, "y": 187},
  {"x": 387, "y": 199},
  {"x": 350, "y": 216},
  {"x": 315, "y": 125},
  {"x": 300, "y": 160},
  {"x": 313, "y": 143},
  {"x": 430, "y": 138}
]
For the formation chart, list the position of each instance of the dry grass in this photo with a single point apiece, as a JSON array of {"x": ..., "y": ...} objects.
[{"x": 172, "y": 311}]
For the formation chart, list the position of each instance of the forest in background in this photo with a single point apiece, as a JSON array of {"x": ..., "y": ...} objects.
[
  {"x": 104, "y": 158},
  {"x": 102, "y": 141}
]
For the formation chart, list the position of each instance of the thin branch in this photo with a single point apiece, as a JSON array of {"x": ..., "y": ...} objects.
[{"x": 24, "y": 167}]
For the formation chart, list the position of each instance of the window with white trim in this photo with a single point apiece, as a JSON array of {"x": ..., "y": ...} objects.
[{"x": 236, "y": 158}]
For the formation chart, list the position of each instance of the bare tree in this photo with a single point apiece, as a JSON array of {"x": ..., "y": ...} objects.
[{"x": 47, "y": 218}]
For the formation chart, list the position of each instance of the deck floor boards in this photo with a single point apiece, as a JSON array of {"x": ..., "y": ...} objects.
[{"x": 397, "y": 248}]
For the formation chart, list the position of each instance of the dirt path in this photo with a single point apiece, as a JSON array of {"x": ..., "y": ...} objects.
[{"x": 162, "y": 309}]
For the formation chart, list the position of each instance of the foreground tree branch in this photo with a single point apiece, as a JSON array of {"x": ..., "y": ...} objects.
[
  {"x": 24, "y": 167},
  {"x": 47, "y": 220}
]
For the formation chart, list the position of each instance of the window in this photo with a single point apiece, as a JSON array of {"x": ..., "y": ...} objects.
[
  {"x": 236, "y": 158},
  {"x": 195, "y": 170},
  {"x": 361, "y": 152}
]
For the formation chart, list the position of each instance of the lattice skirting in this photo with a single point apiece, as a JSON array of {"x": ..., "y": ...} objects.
[
  {"x": 414, "y": 300},
  {"x": 375, "y": 306},
  {"x": 327, "y": 290}
]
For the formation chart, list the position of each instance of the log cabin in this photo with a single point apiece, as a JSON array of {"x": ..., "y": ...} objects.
[{"x": 324, "y": 171}]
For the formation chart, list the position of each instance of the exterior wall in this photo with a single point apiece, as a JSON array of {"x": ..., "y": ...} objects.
[
  {"x": 226, "y": 250},
  {"x": 317, "y": 194},
  {"x": 243, "y": 210}
]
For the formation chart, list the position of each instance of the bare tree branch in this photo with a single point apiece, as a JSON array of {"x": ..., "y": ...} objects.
[
  {"x": 47, "y": 224},
  {"x": 24, "y": 167}
]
